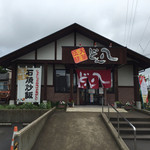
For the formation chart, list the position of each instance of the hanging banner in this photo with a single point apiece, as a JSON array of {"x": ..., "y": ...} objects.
[
  {"x": 143, "y": 87},
  {"x": 29, "y": 85},
  {"x": 93, "y": 77}
]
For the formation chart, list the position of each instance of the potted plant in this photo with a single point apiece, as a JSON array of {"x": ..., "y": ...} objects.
[
  {"x": 62, "y": 104},
  {"x": 71, "y": 103},
  {"x": 118, "y": 104},
  {"x": 128, "y": 106}
]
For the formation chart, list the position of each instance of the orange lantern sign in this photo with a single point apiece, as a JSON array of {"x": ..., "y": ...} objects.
[{"x": 79, "y": 55}]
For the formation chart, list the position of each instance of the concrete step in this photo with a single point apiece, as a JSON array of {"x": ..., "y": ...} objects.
[
  {"x": 138, "y": 137},
  {"x": 130, "y": 119},
  {"x": 139, "y": 131},
  {"x": 137, "y": 124}
]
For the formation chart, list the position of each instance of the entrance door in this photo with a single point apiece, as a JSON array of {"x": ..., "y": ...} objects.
[{"x": 90, "y": 96}]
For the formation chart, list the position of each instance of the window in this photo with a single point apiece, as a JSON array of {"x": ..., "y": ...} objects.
[
  {"x": 62, "y": 81},
  {"x": 3, "y": 86}
]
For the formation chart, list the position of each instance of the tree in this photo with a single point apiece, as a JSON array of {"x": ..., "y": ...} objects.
[{"x": 3, "y": 70}]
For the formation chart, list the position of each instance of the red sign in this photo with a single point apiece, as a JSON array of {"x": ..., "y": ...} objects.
[
  {"x": 79, "y": 55},
  {"x": 93, "y": 77}
]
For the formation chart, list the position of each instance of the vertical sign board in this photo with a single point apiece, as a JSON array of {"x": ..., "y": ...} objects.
[
  {"x": 143, "y": 87},
  {"x": 29, "y": 85}
]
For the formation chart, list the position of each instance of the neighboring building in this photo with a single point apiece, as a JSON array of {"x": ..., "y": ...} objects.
[
  {"x": 5, "y": 80},
  {"x": 59, "y": 71}
]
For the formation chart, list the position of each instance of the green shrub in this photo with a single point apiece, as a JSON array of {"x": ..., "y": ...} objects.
[
  {"x": 48, "y": 106},
  {"x": 42, "y": 106},
  {"x": 10, "y": 107},
  {"x": 45, "y": 106},
  {"x": 54, "y": 104},
  {"x": 27, "y": 106},
  {"x": 2, "y": 107}
]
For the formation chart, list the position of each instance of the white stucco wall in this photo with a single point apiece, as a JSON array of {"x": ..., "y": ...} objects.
[
  {"x": 46, "y": 52},
  {"x": 125, "y": 76},
  {"x": 50, "y": 75},
  {"x": 65, "y": 41},
  {"x": 83, "y": 40},
  {"x": 99, "y": 45},
  {"x": 29, "y": 56}
]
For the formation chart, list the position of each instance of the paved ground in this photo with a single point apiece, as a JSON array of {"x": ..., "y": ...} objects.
[
  {"x": 75, "y": 131},
  {"x": 92, "y": 108},
  {"x": 6, "y": 133}
]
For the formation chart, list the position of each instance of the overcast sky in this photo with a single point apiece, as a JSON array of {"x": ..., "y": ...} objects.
[{"x": 126, "y": 22}]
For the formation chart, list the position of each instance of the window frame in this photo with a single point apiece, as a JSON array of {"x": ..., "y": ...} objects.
[{"x": 67, "y": 71}]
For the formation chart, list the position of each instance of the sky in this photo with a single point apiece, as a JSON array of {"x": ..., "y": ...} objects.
[{"x": 126, "y": 22}]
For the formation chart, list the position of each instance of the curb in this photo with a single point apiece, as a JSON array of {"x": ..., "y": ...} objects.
[
  {"x": 122, "y": 145},
  {"x": 5, "y": 124},
  {"x": 27, "y": 136}
]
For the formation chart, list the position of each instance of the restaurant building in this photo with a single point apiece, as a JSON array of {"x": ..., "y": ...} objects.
[{"x": 76, "y": 64}]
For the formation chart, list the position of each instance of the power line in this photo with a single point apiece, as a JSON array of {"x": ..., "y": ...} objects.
[
  {"x": 133, "y": 21},
  {"x": 142, "y": 36},
  {"x": 130, "y": 21},
  {"x": 146, "y": 45},
  {"x": 125, "y": 33}
]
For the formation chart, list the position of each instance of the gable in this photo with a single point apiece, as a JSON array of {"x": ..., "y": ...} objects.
[
  {"x": 72, "y": 35},
  {"x": 29, "y": 56},
  {"x": 67, "y": 40},
  {"x": 46, "y": 52}
]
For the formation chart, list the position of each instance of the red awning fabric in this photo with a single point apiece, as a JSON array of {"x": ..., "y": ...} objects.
[{"x": 93, "y": 77}]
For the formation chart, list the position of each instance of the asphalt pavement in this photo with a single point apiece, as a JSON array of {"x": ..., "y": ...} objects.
[{"x": 6, "y": 133}]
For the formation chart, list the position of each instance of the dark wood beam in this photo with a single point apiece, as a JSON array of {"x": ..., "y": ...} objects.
[
  {"x": 136, "y": 84},
  {"x": 75, "y": 40},
  {"x": 55, "y": 50},
  {"x": 45, "y": 81},
  {"x": 116, "y": 83},
  {"x": 13, "y": 89},
  {"x": 71, "y": 83}
]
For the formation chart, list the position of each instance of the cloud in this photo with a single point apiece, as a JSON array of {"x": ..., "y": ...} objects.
[{"x": 23, "y": 22}]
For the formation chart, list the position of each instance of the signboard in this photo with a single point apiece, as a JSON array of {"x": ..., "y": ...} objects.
[
  {"x": 29, "y": 85},
  {"x": 79, "y": 55},
  {"x": 93, "y": 77},
  {"x": 95, "y": 55}
]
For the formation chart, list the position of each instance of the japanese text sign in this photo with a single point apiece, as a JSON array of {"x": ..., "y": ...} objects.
[
  {"x": 94, "y": 55},
  {"x": 79, "y": 55},
  {"x": 29, "y": 85},
  {"x": 93, "y": 77}
]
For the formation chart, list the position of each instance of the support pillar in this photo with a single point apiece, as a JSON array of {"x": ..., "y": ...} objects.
[
  {"x": 116, "y": 83},
  {"x": 136, "y": 85},
  {"x": 13, "y": 87},
  {"x": 45, "y": 82},
  {"x": 71, "y": 83}
]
